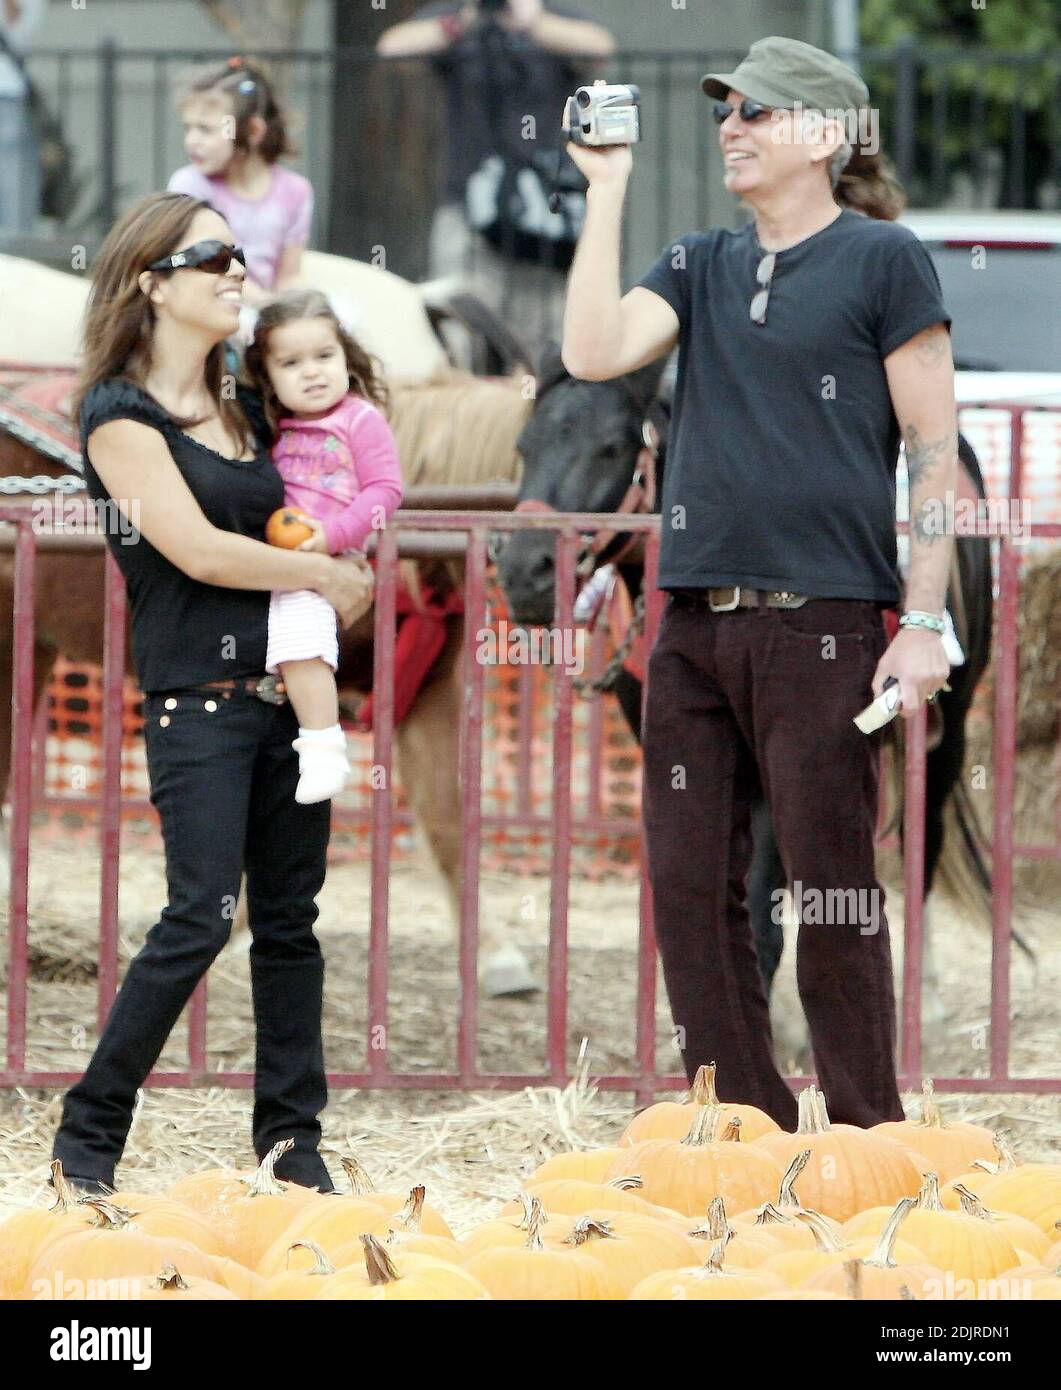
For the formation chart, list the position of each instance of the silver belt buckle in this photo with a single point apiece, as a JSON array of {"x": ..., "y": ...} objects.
[
  {"x": 268, "y": 690},
  {"x": 726, "y": 607}
]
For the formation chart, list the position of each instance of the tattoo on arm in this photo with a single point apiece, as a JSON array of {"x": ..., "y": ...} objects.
[
  {"x": 924, "y": 456},
  {"x": 925, "y": 526},
  {"x": 932, "y": 347}
]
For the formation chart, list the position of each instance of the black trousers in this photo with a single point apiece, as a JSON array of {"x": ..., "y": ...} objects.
[
  {"x": 223, "y": 783},
  {"x": 742, "y": 705}
]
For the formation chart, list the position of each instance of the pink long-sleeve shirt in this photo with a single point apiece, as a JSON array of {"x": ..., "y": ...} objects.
[{"x": 342, "y": 469}]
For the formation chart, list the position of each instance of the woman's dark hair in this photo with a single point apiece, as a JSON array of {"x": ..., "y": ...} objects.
[
  {"x": 120, "y": 318},
  {"x": 870, "y": 185},
  {"x": 363, "y": 372},
  {"x": 247, "y": 87}
]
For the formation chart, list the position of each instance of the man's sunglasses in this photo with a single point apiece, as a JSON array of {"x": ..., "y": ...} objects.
[
  {"x": 749, "y": 111},
  {"x": 212, "y": 256}
]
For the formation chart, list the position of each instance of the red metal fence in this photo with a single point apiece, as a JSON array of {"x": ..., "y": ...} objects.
[{"x": 644, "y": 1077}]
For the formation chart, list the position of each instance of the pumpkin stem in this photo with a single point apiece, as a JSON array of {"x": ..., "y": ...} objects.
[
  {"x": 702, "y": 1129},
  {"x": 786, "y": 1198},
  {"x": 881, "y": 1254},
  {"x": 526, "y": 1201},
  {"x": 584, "y": 1228},
  {"x": 537, "y": 1218},
  {"x": 906, "y": 1294},
  {"x": 266, "y": 1183},
  {"x": 931, "y": 1114},
  {"x": 731, "y": 1134},
  {"x": 853, "y": 1278},
  {"x": 378, "y": 1264},
  {"x": 928, "y": 1196},
  {"x": 322, "y": 1264},
  {"x": 825, "y": 1238},
  {"x": 66, "y": 1199},
  {"x": 412, "y": 1213},
  {"x": 360, "y": 1182},
  {"x": 718, "y": 1253},
  {"x": 717, "y": 1223},
  {"x": 170, "y": 1279},
  {"x": 769, "y": 1215},
  {"x": 813, "y": 1116},
  {"x": 627, "y": 1184},
  {"x": 702, "y": 1091},
  {"x": 108, "y": 1216}
]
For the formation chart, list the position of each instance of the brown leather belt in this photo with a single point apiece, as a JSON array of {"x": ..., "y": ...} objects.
[
  {"x": 738, "y": 596},
  {"x": 268, "y": 688}
]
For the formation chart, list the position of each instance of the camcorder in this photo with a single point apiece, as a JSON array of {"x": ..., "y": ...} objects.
[{"x": 604, "y": 114}]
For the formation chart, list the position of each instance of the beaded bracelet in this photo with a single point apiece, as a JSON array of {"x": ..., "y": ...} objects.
[{"x": 929, "y": 621}]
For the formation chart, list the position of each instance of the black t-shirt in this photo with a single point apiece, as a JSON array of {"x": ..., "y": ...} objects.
[
  {"x": 494, "y": 80},
  {"x": 186, "y": 632},
  {"x": 781, "y": 464}
]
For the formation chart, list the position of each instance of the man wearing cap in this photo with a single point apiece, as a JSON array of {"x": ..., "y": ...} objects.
[{"x": 810, "y": 342}]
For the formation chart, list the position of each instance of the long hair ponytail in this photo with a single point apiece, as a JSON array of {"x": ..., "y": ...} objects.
[
  {"x": 120, "y": 318},
  {"x": 869, "y": 184}
]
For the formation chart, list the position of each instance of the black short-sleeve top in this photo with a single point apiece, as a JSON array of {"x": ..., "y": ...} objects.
[{"x": 185, "y": 632}]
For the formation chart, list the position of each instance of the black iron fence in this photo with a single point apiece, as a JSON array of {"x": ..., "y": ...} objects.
[{"x": 967, "y": 128}]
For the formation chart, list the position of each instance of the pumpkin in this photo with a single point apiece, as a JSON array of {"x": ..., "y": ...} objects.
[
  {"x": 944, "y": 1147},
  {"x": 509, "y": 1233},
  {"x": 803, "y": 1295},
  {"x": 746, "y": 1249},
  {"x": 386, "y": 1277},
  {"x": 109, "y": 1259},
  {"x": 880, "y": 1275},
  {"x": 250, "y": 1222},
  {"x": 705, "y": 1282},
  {"x": 1022, "y": 1233},
  {"x": 831, "y": 1248},
  {"x": 968, "y": 1247},
  {"x": 778, "y": 1219},
  {"x": 287, "y": 527},
  {"x": 300, "y": 1280},
  {"x": 172, "y": 1287},
  {"x": 1053, "y": 1254},
  {"x": 670, "y": 1119},
  {"x": 849, "y": 1168},
  {"x": 208, "y": 1191},
  {"x": 406, "y": 1233},
  {"x": 632, "y": 1251},
  {"x": 393, "y": 1203},
  {"x": 336, "y": 1225},
  {"x": 536, "y": 1273},
  {"x": 23, "y": 1235},
  {"x": 586, "y": 1165},
  {"x": 243, "y": 1282},
  {"x": 570, "y": 1197},
  {"x": 686, "y": 1174},
  {"x": 168, "y": 1218},
  {"x": 1031, "y": 1190}
]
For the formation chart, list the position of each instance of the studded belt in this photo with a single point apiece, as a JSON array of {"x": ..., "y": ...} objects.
[
  {"x": 268, "y": 688},
  {"x": 739, "y": 596}
]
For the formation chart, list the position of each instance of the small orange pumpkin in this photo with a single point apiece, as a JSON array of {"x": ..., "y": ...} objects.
[
  {"x": 537, "y": 1273},
  {"x": 172, "y": 1287},
  {"x": 386, "y": 1277},
  {"x": 944, "y": 1147},
  {"x": 287, "y": 527},
  {"x": 708, "y": 1282},
  {"x": 880, "y": 1275},
  {"x": 669, "y": 1119}
]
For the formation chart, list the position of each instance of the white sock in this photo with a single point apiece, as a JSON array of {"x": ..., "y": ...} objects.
[{"x": 329, "y": 735}]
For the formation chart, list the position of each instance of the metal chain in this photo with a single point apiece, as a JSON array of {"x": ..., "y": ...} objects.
[
  {"x": 41, "y": 483},
  {"x": 591, "y": 689}
]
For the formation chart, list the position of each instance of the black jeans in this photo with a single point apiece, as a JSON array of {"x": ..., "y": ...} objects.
[
  {"x": 757, "y": 702},
  {"x": 223, "y": 782}
]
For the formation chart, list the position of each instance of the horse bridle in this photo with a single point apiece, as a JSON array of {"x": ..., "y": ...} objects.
[{"x": 604, "y": 547}]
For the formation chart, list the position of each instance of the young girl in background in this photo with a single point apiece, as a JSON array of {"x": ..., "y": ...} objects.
[
  {"x": 235, "y": 133},
  {"x": 337, "y": 456}
]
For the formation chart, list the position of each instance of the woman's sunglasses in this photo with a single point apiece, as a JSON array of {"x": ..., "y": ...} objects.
[
  {"x": 749, "y": 110},
  {"x": 212, "y": 256}
]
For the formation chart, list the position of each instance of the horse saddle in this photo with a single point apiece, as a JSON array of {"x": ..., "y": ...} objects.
[{"x": 35, "y": 410}]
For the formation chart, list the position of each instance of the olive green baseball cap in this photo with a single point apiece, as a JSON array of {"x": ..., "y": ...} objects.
[{"x": 782, "y": 72}]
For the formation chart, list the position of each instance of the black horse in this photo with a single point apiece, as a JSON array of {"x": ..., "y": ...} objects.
[{"x": 569, "y": 470}]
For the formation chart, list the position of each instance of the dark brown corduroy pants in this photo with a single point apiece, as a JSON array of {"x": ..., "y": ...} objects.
[{"x": 767, "y": 696}]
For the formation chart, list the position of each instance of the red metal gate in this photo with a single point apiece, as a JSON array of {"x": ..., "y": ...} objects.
[{"x": 644, "y": 1078}]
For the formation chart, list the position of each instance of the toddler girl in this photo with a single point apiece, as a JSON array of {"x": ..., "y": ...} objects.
[
  {"x": 337, "y": 456},
  {"x": 235, "y": 133}
]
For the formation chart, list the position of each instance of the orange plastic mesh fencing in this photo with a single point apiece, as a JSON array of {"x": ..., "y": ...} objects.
[{"x": 518, "y": 702}]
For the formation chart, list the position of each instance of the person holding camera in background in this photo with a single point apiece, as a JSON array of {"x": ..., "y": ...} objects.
[
  {"x": 809, "y": 342},
  {"x": 507, "y": 65},
  {"x": 20, "y": 169}
]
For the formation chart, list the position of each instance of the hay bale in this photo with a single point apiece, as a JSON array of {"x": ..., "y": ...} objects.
[{"x": 1039, "y": 702}]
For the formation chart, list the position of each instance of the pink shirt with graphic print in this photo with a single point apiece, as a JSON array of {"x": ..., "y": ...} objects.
[
  {"x": 262, "y": 226},
  {"x": 342, "y": 469}
]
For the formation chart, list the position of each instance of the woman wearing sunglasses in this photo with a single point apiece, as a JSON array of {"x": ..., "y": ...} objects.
[
  {"x": 187, "y": 461},
  {"x": 810, "y": 341}
]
